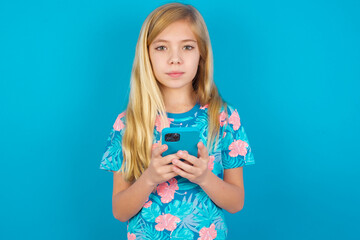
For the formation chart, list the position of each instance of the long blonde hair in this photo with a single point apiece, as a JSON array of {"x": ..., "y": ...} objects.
[{"x": 145, "y": 99}]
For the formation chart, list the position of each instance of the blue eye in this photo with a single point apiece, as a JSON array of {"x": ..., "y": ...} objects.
[{"x": 191, "y": 47}]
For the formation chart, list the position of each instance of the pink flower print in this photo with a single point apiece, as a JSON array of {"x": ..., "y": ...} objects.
[
  {"x": 167, "y": 191},
  {"x": 147, "y": 203},
  {"x": 238, "y": 147},
  {"x": 118, "y": 125},
  {"x": 166, "y": 221},
  {"x": 222, "y": 118},
  {"x": 131, "y": 236},
  {"x": 235, "y": 120},
  {"x": 205, "y": 106},
  {"x": 211, "y": 163},
  {"x": 224, "y": 134},
  {"x": 208, "y": 233},
  {"x": 158, "y": 123}
]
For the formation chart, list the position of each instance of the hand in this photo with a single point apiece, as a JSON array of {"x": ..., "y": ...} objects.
[
  {"x": 160, "y": 169},
  {"x": 197, "y": 171}
]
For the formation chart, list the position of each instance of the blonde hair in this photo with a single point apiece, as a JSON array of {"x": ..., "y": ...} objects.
[{"x": 145, "y": 99}]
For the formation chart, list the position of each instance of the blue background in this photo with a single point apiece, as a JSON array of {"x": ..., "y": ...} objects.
[{"x": 292, "y": 68}]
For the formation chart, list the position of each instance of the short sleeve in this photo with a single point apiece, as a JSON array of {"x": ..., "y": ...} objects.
[
  {"x": 236, "y": 149},
  {"x": 112, "y": 158}
]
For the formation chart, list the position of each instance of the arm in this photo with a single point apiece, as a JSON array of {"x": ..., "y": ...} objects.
[
  {"x": 229, "y": 193},
  {"x": 128, "y": 199}
]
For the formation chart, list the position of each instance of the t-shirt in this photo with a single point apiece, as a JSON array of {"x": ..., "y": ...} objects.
[{"x": 180, "y": 209}]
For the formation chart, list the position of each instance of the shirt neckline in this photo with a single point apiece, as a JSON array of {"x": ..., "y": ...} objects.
[{"x": 191, "y": 112}]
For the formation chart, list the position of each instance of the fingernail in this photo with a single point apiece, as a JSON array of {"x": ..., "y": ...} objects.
[{"x": 180, "y": 153}]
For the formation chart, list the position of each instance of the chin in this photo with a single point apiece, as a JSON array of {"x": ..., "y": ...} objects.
[{"x": 174, "y": 85}]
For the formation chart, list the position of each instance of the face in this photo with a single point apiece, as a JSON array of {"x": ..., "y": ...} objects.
[{"x": 174, "y": 56}]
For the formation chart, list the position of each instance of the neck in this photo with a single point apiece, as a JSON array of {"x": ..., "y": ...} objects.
[{"x": 177, "y": 101}]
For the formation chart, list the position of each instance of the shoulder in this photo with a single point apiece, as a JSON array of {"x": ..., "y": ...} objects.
[
  {"x": 229, "y": 109},
  {"x": 119, "y": 123},
  {"x": 230, "y": 116},
  {"x": 225, "y": 108}
]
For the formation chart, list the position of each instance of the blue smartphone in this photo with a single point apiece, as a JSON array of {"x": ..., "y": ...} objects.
[{"x": 182, "y": 138}]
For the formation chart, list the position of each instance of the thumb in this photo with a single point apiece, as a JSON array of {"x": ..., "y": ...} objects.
[{"x": 202, "y": 151}]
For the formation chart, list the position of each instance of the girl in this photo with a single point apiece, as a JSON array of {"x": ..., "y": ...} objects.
[{"x": 172, "y": 86}]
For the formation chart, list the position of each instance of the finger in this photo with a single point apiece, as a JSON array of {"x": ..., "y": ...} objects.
[
  {"x": 202, "y": 150},
  {"x": 180, "y": 172},
  {"x": 187, "y": 162},
  {"x": 186, "y": 156},
  {"x": 184, "y": 166},
  {"x": 155, "y": 145},
  {"x": 168, "y": 169},
  {"x": 171, "y": 175},
  {"x": 165, "y": 171},
  {"x": 168, "y": 172},
  {"x": 159, "y": 150},
  {"x": 167, "y": 159}
]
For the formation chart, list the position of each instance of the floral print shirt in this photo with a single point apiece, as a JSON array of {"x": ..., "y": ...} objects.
[{"x": 180, "y": 209}]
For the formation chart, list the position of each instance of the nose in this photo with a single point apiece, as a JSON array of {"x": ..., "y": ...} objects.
[
  {"x": 173, "y": 61},
  {"x": 175, "y": 58}
]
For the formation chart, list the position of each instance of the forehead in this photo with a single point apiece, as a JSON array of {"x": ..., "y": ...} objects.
[{"x": 176, "y": 32}]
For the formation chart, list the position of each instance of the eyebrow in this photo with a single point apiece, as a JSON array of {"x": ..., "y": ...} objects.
[{"x": 185, "y": 40}]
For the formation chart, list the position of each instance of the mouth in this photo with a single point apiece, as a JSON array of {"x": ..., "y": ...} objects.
[{"x": 175, "y": 74}]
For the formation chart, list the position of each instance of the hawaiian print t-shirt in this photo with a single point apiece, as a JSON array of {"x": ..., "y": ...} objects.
[{"x": 180, "y": 209}]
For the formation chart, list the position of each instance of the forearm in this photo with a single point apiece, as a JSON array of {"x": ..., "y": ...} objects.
[
  {"x": 223, "y": 194},
  {"x": 129, "y": 202}
]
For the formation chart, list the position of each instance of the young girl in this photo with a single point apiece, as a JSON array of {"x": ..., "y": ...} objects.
[{"x": 172, "y": 85}]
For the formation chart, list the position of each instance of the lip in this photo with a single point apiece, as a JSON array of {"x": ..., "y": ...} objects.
[{"x": 175, "y": 74}]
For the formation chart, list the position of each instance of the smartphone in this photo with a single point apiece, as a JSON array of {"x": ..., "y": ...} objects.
[{"x": 182, "y": 138}]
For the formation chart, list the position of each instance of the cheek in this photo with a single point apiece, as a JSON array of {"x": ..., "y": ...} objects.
[
  {"x": 155, "y": 64},
  {"x": 157, "y": 60},
  {"x": 194, "y": 64},
  {"x": 157, "y": 68},
  {"x": 195, "y": 58}
]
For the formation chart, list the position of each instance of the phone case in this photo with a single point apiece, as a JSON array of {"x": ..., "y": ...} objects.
[{"x": 188, "y": 140}]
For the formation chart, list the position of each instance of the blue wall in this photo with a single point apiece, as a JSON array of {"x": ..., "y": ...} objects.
[{"x": 292, "y": 69}]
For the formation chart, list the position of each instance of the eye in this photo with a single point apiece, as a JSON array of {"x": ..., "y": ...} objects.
[
  {"x": 157, "y": 48},
  {"x": 188, "y": 47}
]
